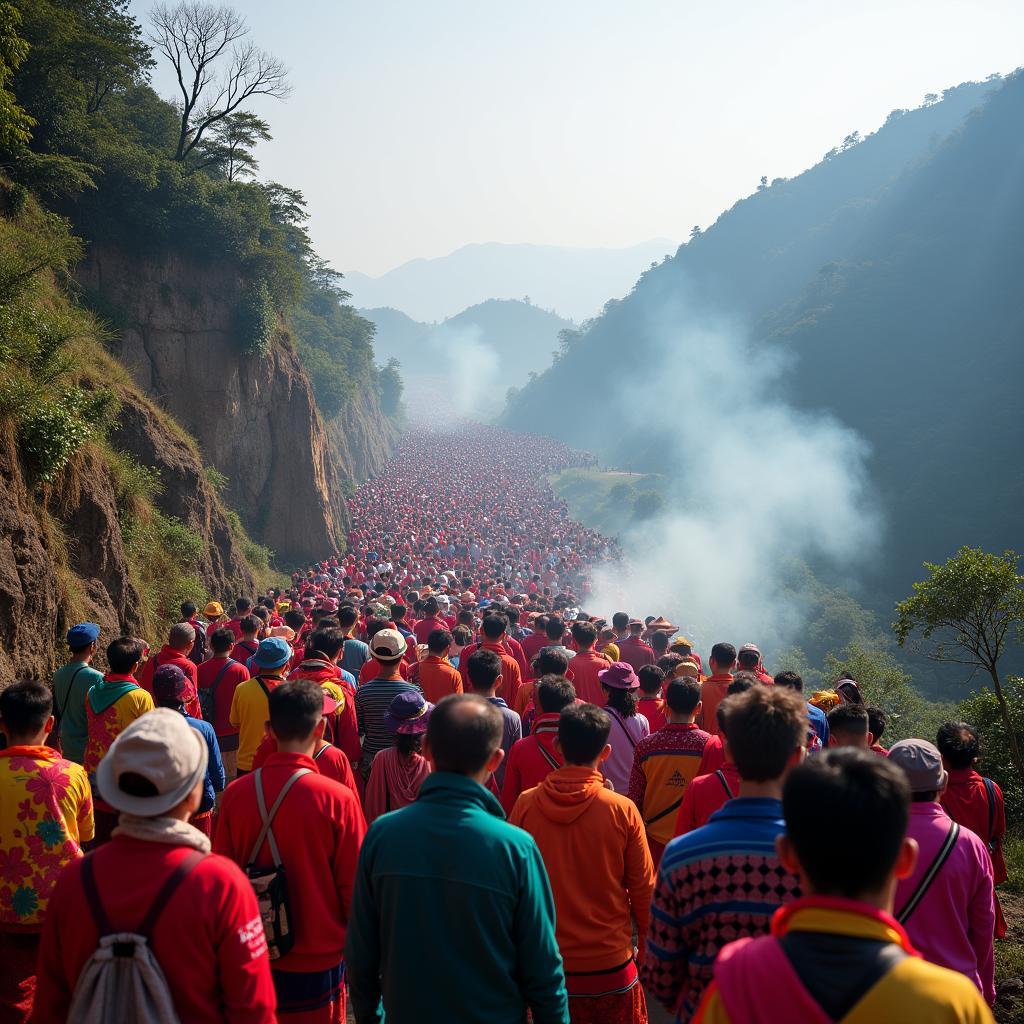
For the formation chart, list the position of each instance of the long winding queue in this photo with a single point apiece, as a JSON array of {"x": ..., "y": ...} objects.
[{"x": 429, "y": 782}]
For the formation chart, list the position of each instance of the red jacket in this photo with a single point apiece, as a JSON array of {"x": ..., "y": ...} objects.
[
  {"x": 344, "y": 729},
  {"x": 208, "y": 941},
  {"x": 511, "y": 677},
  {"x": 319, "y": 829},
  {"x": 169, "y": 656},
  {"x": 705, "y": 795},
  {"x": 635, "y": 652},
  {"x": 233, "y": 675},
  {"x": 713, "y": 757},
  {"x": 653, "y": 709},
  {"x": 244, "y": 650},
  {"x": 330, "y": 762},
  {"x": 966, "y": 801},
  {"x": 531, "y": 760}
]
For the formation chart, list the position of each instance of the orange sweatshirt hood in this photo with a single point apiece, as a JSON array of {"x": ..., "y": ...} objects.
[{"x": 567, "y": 792}]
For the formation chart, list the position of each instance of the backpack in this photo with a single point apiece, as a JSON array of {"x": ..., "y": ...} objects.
[
  {"x": 122, "y": 979},
  {"x": 208, "y": 694},
  {"x": 198, "y": 653},
  {"x": 271, "y": 884}
]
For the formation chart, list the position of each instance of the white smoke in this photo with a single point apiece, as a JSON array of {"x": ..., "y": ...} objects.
[{"x": 757, "y": 485}]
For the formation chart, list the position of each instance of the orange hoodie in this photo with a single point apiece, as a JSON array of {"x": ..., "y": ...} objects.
[{"x": 593, "y": 844}]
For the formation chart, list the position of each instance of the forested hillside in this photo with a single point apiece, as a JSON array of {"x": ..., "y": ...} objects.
[{"x": 883, "y": 277}]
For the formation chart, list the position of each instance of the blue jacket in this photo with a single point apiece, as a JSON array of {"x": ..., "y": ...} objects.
[
  {"x": 215, "y": 778},
  {"x": 452, "y": 917}
]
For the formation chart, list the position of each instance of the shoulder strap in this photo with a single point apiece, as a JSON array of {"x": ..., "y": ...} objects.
[
  {"x": 220, "y": 674},
  {"x": 622, "y": 726},
  {"x": 672, "y": 808},
  {"x": 547, "y": 756},
  {"x": 267, "y": 832},
  {"x": 990, "y": 794},
  {"x": 725, "y": 783},
  {"x": 320, "y": 751},
  {"x": 263, "y": 687},
  {"x": 163, "y": 897},
  {"x": 929, "y": 876},
  {"x": 74, "y": 676}
]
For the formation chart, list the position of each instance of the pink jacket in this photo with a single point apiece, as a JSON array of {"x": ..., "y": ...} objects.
[{"x": 954, "y": 923}]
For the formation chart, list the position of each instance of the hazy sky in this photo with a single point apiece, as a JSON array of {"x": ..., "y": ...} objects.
[{"x": 417, "y": 126}]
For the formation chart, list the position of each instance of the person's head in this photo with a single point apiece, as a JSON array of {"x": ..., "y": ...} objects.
[
  {"x": 959, "y": 745},
  {"x": 554, "y": 628},
  {"x": 26, "y": 713},
  {"x": 636, "y": 628},
  {"x": 431, "y": 607},
  {"x": 172, "y": 688},
  {"x": 682, "y": 699},
  {"x": 766, "y": 729},
  {"x": 242, "y": 606},
  {"x": 748, "y": 658},
  {"x": 550, "y": 662},
  {"x": 295, "y": 619},
  {"x": 651, "y": 679},
  {"x": 249, "y": 625},
  {"x": 214, "y": 611},
  {"x": 741, "y": 682},
  {"x": 620, "y": 685},
  {"x": 849, "y": 691},
  {"x": 922, "y": 764},
  {"x": 462, "y": 636},
  {"x": 493, "y": 627},
  {"x": 877, "y": 721},
  {"x": 329, "y": 642},
  {"x": 584, "y": 634},
  {"x": 846, "y": 816},
  {"x": 554, "y": 693},
  {"x": 271, "y": 657},
  {"x": 848, "y": 726},
  {"x": 620, "y": 622},
  {"x": 791, "y": 680},
  {"x": 347, "y": 617},
  {"x": 484, "y": 671},
  {"x": 464, "y": 735},
  {"x": 659, "y": 642},
  {"x": 181, "y": 637},
  {"x": 155, "y": 768},
  {"x": 722, "y": 659},
  {"x": 124, "y": 655},
  {"x": 188, "y": 609},
  {"x": 439, "y": 642},
  {"x": 296, "y": 714},
  {"x": 583, "y": 731},
  {"x": 83, "y": 639},
  {"x": 221, "y": 641},
  {"x": 388, "y": 646},
  {"x": 398, "y": 613}
]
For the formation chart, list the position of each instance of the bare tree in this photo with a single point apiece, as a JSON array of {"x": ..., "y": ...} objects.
[{"x": 217, "y": 66}]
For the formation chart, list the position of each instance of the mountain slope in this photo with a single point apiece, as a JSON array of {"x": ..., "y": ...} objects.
[
  {"x": 573, "y": 282},
  {"x": 885, "y": 278}
]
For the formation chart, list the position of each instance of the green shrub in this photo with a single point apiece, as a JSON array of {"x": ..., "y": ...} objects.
[
  {"x": 256, "y": 319},
  {"x": 51, "y": 433},
  {"x": 215, "y": 478}
]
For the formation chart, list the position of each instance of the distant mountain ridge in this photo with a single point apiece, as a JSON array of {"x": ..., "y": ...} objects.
[{"x": 575, "y": 283}]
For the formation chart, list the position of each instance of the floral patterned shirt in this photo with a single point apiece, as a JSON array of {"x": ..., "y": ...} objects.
[{"x": 45, "y": 817}]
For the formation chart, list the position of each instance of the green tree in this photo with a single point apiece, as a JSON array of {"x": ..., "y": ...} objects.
[
  {"x": 15, "y": 124},
  {"x": 968, "y": 611},
  {"x": 217, "y": 67},
  {"x": 648, "y": 504},
  {"x": 390, "y": 383},
  {"x": 230, "y": 144}
]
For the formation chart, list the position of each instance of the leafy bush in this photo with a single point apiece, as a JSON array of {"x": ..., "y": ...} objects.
[
  {"x": 51, "y": 433},
  {"x": 256, "y": 319}
]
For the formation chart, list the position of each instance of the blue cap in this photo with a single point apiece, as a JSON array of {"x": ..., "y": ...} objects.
[
  {"x": 272, "y": 653},
  {"x": 83, "y": 634}
]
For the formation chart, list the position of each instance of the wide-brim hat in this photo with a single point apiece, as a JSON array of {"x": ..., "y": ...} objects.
[
  {"x": 619, "y": 676},
  {"x": 213, "y": 610},
  {"x": 162, "y": 748},
  {"x": 661, "y": 625},
  {"x": 408, "y": 714},
  {"x": 274, "y": 652}
]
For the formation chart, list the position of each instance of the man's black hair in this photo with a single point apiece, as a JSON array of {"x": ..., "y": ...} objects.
[
  {"x": 877, "y": 721},
  {"x": 188, "y": 609},
  {"x": 584, "y": 633},
  {"x": 123, "y": 654},
  {"x": 494, "y": 626},
  {"x": 851, "y": 719},
  {"x": 24, "y": 709},
  {"x": 295, "y": 709},
  {"x": 958, "y": 744},
  {"x": 723, "y": 655},
  {"x": 682, "y": 695},
  {"x": 651, "y": 678},
  {"x": 555, "y": 628},
  {"x": 554, "y": 693},
  {"x": 328, "y": 641},
  {"x": 550, "y": 662},
  {"x": 249, "y": 624},
  {"x": 483, "y": 669},
  {"x": 222, "y": 640},
  {"x": 583, "y": 732},
  {"x": 464, "y": 732},
  {"x": 748, "y": 659},
  {"x": 846, "y": 813},
  {"x": 439, "y": 641},
  {"x": 791, "y": 679}
]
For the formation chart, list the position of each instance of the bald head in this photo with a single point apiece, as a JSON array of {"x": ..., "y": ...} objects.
[
  {"x": 181, "y": 637},
  {"x": 464, "y": 732}
]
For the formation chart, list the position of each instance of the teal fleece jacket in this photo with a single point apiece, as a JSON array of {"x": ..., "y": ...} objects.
[{"x": 452, "y": 917}]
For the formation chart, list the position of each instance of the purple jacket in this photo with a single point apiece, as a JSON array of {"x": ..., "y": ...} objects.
[{"x": 954, "y": 922}]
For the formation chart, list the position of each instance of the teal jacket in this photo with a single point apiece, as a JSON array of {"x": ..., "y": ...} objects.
[{"x": 452, "y": 917}]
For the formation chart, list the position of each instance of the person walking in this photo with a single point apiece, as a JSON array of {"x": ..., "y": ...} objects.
[
  {"x": 629, "y": 727},
  {"x": 467, "y": 928},
  {"x": 71, "y": 682},
  {"x": 398, "y": 771}
]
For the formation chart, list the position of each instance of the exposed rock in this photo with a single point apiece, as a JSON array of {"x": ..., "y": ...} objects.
[{"x": 255, "y": 419}]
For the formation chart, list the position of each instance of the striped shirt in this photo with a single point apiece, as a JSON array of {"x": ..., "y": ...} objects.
[
  {"x": 372, "y": 701},
  {"x": 716, "y": 884}
]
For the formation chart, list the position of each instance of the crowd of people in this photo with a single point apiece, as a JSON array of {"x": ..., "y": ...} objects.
[{"x": 427, "y": 782}]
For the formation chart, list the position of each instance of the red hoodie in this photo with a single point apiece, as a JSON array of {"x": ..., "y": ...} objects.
[
  {"x": 343, "y": 729},
  {"x": 169, "y": 656},
  {"x": 531, "y": 760}
]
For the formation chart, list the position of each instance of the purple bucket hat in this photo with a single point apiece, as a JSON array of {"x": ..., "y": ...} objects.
[{"x": 408, "y": 714}]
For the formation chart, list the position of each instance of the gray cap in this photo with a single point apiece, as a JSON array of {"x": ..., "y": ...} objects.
[{"x": 922, "y": 763}]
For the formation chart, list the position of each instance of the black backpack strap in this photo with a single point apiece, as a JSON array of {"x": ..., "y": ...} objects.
[
  {"x": 725, "y": 783},
  {"x": 547, "y": 756},
  {"x": 163, "y": 897},
  {"x": 990, "y": 794},
  {"x": 220, "y": 675},
  {"x": 622, "y": 726},
  {"x": 674, "y": 806},
  {"x": 263, "y": 687},
  {"x": 929, "y": 876},
  {"x": 167, "y": 890},
  {"x": 92, "y": 897}
]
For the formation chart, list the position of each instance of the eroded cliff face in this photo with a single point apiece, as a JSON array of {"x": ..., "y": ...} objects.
[
  {"x": 255, "y": 419},
  {"x": 361, "y": 438},
  {"x": 63, "y": 557}
]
